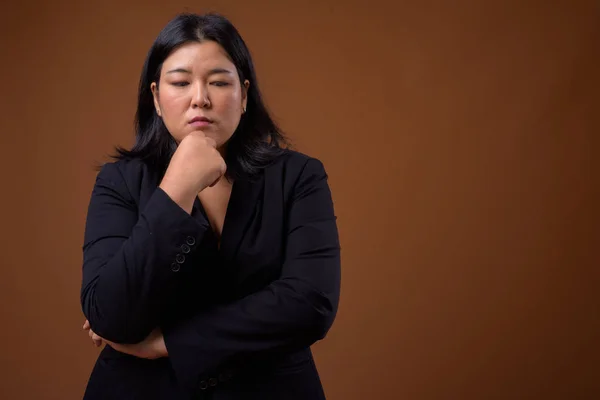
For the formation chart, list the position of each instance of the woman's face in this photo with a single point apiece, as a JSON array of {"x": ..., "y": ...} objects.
[{"x": 199, "y": 90}]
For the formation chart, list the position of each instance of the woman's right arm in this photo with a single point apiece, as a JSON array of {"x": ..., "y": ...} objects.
[{"x": 131, "y": 259}]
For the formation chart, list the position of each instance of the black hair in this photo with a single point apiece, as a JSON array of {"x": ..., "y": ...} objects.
[{"x": 256, "y": 142}]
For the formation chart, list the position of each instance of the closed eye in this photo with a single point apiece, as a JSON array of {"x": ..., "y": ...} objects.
[
  {"x": 180, "y": 84},
  {"x": 219, "y": 83}
]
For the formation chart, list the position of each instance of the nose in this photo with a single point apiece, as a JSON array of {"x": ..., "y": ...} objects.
[{"x": 200, "y": 96}]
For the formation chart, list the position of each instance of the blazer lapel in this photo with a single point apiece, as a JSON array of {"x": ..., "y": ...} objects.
[{"x": 243, "y": 205}]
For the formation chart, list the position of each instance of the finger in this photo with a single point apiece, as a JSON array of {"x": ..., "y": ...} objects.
[
  {"x": 197, "y": 133},
  {"x": 211, "y": 142},
  {"x": 215, "y": 182},
  {"x": 95, "y": 335},
  {"x": 86, "y": 324},
  {"x": 97, "y": 340}
]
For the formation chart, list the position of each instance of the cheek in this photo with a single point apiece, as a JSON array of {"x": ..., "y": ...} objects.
[
  {"x": 232, "y": 118},
  {"x": 173, "y": 110},
  {"x": 172, "y": 106},
  {"x": 230, "y": 108}
]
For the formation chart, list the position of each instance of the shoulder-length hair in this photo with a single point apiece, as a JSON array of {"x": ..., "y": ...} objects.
[{"x": 256, "y": 142}]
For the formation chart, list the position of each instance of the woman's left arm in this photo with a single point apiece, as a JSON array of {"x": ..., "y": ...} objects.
[{"x": 292, "y": 312}]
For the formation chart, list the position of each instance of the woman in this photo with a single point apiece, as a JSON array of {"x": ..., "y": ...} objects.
[{"x": 211, "y": 253}]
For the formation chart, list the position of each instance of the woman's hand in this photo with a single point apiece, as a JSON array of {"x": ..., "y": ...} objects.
[
  {"x": 151, "y": 348},
  {"x": 95, "y": 338},
  {"x": 195, "y": 165}
]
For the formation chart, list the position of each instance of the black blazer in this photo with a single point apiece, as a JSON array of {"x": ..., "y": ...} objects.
[{"x": 238, "y": 319}]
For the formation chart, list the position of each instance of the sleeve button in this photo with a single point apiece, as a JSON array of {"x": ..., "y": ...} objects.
[
  {"x": 190, "y": 240},
  {"x": 212, "y": 382},
  {"x": 203, "y": 385},
  {"x": 185, "y": 248},
  {"x": 175, "y": 267},
  {"x": 180, "y": 258}
]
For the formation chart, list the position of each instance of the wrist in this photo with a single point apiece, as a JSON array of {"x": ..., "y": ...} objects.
[
  {"x": 162, "y": 350},
  {"x": 160, "y": 347},
  {"x": 182, "y": 196}
]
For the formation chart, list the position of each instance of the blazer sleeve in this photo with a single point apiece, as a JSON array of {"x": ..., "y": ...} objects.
[
  {"x": 291, "y": 313},
  {"x": 131, "y": 257}
]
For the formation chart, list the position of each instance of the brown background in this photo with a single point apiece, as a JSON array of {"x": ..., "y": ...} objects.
[{"x": 461, "y": 139}]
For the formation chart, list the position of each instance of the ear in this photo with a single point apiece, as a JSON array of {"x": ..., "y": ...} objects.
[
  {"x": 245, "y": 87},
  {"x": 154, "y": 89}
]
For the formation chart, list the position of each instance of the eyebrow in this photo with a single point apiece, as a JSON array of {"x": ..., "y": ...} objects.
[{"x": 211, "y": 72}]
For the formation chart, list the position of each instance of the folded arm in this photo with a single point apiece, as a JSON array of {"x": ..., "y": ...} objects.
[{"x": 131, "y": 257}]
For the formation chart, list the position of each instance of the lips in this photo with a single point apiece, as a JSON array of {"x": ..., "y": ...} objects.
[
  {"x": 200, "y": 122},
  {"x": 200, "y": 119}
]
